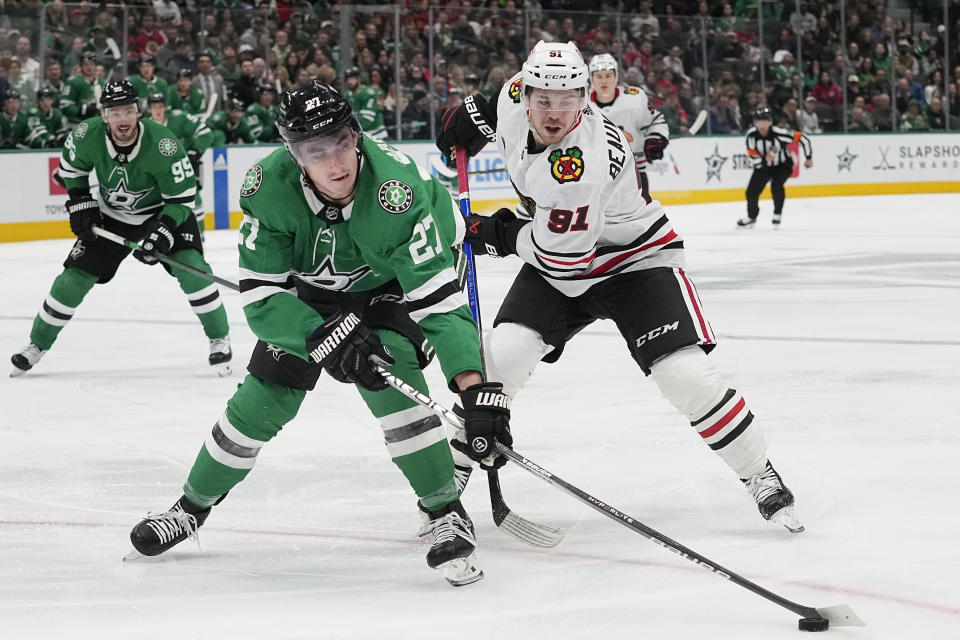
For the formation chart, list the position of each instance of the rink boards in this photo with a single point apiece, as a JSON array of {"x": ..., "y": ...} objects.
[{"x": 693, "y": 170}]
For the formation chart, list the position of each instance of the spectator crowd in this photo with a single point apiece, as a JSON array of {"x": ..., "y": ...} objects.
[{"x": 224, "y": 62}]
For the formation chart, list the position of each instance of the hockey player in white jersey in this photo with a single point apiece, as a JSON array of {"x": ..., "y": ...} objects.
[
  {"x": 628, "y": 107},
  {"x": 594, "y": 249}
]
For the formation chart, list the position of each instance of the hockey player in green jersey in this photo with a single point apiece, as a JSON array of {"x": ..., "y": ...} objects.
[
  {"x": 146, "y": 81},
  {"x": 346, "y": 256},
  {"x": 365, "y": 104},
  {"x": 15, "y": 133},
  {"x": 192, "y": 132},
  {"x": 146, "y": 187},
  {"x": 184, "y": 96},
  {"x": 230, "y": 126},
  {"x": 47, "y": 124},
  {"x": 262, "y": 115},
  {"x": 83, "y": 90}
]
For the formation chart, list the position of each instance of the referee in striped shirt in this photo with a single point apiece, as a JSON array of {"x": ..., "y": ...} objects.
[{"x": 767, "y": 150}]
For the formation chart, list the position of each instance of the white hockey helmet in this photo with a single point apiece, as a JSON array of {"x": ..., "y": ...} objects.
[
  {"x": 555, "y": 65},
  {"x": 603, "y": 61}
]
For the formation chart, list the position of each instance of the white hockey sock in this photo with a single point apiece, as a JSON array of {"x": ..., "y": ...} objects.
[
  {"x": 688, "y": 379},
  {"x": 512, "y": 352}
]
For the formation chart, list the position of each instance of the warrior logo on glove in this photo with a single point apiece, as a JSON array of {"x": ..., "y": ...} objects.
[{"x": 333, "y": 340}]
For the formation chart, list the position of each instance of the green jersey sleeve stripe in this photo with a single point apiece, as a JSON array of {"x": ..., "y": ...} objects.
[
  {"x": 432, "y": 285},
  {"x": 247, "y": 274},
  {"x": 262, "y": 292},
  {"x": 255, "y": 287},
  {"x": 69, "y": 171},
  {"x": 443, "y": 305},
  {"x": 186, "y": 193}
]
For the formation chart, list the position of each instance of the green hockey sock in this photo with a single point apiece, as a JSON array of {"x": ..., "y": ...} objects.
[
  {"x": 204, "y": 296},
  {"x": 66, "y": 294},
  {"x": 414, "y": 435},
  {"x": 255, "y": 414}
]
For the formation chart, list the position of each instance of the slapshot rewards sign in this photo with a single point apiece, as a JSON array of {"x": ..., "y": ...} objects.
[{"x": 917, "y": 157}]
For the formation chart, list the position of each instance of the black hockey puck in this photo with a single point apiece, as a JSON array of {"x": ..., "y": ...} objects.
[{"x": 813, "y": 624}]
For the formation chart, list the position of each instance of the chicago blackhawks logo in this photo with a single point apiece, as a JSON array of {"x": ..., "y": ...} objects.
[
  {"x": 80, "y": 131},
  {"x": 251, "y": 181},
  {"x": 514, "y": 91},
  {"x": 168, "y": 147},
  {"x": 528, "y": 203},
  {"x": 631, "y": 91},
  {"x": 395, "y": 196},
  {"x": 566, "y": 166}
]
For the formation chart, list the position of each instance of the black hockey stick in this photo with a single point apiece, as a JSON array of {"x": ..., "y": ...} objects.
[
  {"x": 814, "y": 618},
  {"x": 130, "y": 244},
  {"x": 507, "y": 520}
]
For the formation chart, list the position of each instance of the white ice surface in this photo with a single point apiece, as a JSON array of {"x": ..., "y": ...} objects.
[{"x": 840, "y": 329}]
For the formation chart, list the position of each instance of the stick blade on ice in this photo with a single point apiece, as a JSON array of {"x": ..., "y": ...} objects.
[{"x": 841, "y": 615}]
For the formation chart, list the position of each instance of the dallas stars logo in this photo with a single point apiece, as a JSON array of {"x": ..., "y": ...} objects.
[
  {"x": 715, "y": 163},
  {"x": 275, "y": 351},
  {"x": 119, "y": 197},
  {"x": 251, "y": 181},
  {"x": 168, "y": 147},
  {"x": 566, "y": 166},
  {"x": 327, "y": 277},
  {"x": 395, "y": 196},
  {"x": 845, "y": 160}
]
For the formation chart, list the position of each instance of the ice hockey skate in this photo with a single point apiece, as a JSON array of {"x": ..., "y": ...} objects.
[
  {"x": 747, "y": 223},
  {"x": 461, "y": 474},
  {"x": 773, "y": 499},
  {"x": 24, "y": 360},
  {"x": 159, "y": 532},
  {"x": 452, "y": 551},
  {"x": 776, "y": 221},
  {"x": 220, "y": 356}
]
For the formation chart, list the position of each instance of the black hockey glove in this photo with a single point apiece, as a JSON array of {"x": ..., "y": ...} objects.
[
  {"x": 89, "y": 110},
  {"x": 654, "y": 145},
  {"x": 471, "y": 126},
  {"x": 495, "y": 235},
  {"x": 486, "y": 419},
  {"x": 344, "y": 348},
  {"x": 84, "y": 216},
  {"x": 194, "y": 157},
  {"x": 159, "y": 240}
]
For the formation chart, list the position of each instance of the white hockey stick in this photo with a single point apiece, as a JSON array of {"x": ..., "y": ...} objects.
[
  {"x": 698, "y": 123},
  {"x": 814, "y": 618}
]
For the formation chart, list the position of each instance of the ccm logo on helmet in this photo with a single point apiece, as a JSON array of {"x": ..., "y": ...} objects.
[{"x": 477, "y": 119}]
